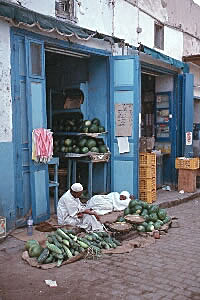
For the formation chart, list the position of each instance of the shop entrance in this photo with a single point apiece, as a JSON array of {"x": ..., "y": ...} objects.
[
  {"x": 157, "y": 105},
  {"x": 77, "y": 113}
]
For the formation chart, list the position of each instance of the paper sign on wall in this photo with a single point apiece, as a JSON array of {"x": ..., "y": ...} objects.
[
  {"x": 123, "y": 119},
  {"x": 188, "y": 138}
]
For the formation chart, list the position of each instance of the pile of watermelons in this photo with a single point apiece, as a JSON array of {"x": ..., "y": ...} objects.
[
  {"x": 79, "y": 144},
  {"x": 78, "y": 125},
  {"x": 154, "y": 216}
]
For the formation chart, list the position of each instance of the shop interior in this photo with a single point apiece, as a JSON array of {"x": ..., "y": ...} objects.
[
  {"x": 77, "y": 110},
  {"x": 155, "y": 119}
]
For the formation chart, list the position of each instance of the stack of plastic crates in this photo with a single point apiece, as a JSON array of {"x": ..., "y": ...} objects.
[{"x": 147, "y": 177}]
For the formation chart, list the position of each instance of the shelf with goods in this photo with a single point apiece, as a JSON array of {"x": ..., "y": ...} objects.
[
  {"x": 147, "y": 177},
  {"x": 163, "y": 117}
]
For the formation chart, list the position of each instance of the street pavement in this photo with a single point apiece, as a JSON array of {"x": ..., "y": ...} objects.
[{"x": 167, "y": 269}]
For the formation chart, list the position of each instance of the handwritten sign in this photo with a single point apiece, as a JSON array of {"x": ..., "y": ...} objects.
[{"x": 123, "y": 119}]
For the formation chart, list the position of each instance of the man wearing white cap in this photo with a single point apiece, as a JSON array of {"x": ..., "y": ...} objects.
[{"x": 71, "y": 211}]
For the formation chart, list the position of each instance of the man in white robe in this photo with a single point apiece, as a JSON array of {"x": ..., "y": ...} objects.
[
  {"x": 103, "y": 204},
  {"x": 71, "y": 211}
]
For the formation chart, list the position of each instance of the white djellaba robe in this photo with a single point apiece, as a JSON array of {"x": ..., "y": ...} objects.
[
  {"x": 67, "y": 210},
  {"x": 103, "y": 204}
]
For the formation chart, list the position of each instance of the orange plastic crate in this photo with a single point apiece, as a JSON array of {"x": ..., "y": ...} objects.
[
  {"x": 147, "y": 172},
  {"x": 147, "y": 159},
  {"x": 187, "y": 163},
  {"x": 147, "y": 184},
  {"x": 148, "y": 196}
]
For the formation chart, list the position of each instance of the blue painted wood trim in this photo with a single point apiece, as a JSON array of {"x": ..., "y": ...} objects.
[
  {"x": 151, "y": 67},
  {"x": 61, "y": 43}
]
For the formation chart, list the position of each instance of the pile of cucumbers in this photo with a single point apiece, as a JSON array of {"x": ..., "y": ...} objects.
[{"x": 63, "y": 244}]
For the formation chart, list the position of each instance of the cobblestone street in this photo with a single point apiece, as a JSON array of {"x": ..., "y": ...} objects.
[{"x": 168, "y": 269}]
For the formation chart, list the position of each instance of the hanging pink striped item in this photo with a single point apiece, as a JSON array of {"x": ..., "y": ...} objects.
[{"x": 42, "y": 145}]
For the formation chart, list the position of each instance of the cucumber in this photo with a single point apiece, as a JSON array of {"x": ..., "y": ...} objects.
[
  {"x": 56, "y": 242},
  {"x": 43, "y": 256},
  {"x": 83, "y": 245},
  {"x": 67, "y": 251},
  {"x": 49, "y": 259},
  {"x": 88, "y": 237},
  {"x": 59, "y": 263},
  {"x": 58, "y": 256},
  {"x": 53, "y": 248},
  {"x": 116, "y": 242},
  {"x": 59, "y": 238},
  {"x": 84, "y": 241},
  {"x": 62, "y": 233},
  {"x": 50, "y": 240},
  {"x": 66, "y": 243}
]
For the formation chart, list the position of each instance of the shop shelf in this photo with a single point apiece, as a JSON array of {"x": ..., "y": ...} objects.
[
  {"x": 147, "y": 184},
  {"x": 147, "y": 172},
  {"x": 187, "y": 163},
  {"x": 147, "y": 159},
  {"x": 149, "y": 196}
]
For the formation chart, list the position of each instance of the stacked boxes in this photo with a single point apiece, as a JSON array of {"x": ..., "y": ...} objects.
[{"x": 147, "y": 177}]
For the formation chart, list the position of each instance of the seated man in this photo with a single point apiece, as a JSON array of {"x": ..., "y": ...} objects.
[
  {"x": 71, "y": 211},
  {"x": 103, "y": 204}
]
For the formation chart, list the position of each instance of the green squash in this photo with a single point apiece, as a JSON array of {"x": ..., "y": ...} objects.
[
  {"x": 30, "y": 243},
  {"x": 35, "y": 250}
]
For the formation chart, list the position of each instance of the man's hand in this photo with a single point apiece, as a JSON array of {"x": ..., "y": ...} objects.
[{"x": 80, "y": 215}]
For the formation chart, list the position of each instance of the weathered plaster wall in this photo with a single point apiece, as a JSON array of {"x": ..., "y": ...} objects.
[
  {"x": 173, "y": 43},
  {"x": 95, "y": 15},
  {"x": 5, "y": 85},
  {"x": 46, "y": 7}
]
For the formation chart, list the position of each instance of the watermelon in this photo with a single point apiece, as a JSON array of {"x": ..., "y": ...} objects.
[
  {"x": 145, "y": 224},
  {"x": 153, "y": 209},
  {"x": 96, "y": 121},
  {"x": 121, "y": 219},
  {"x": 94, "y": 149},
  {"x": 99, "y": 142},
  {"x": 103, "y": 149},
  {"x": 84, "y": 150},
  {"x": 101, "y": 129},
  {"x": 138, "y": 209},
  {"x": 93, "y": 128},
  {"x": 167, "y": 219},
  {"x": 144, "y": 212},
  {"x": 87, "y": 123},
  {"x": 161, "y": 214},
  {"x": 76, "y": 150},
  {"x": 150, "y": 228},
  {"x": 82, "y": 142},
  {"x": 145, "y": 205},
  {"x": 133, "y": 203},
  {"x": 85, "y": 129},
  {"x": 153, "y": 217},
  {"x": 141, "y": 228},
  {"x": 68, "y": 142},
  {"x": 91, "y": 143},
  {"x": 157, "y": 225},
  {"x": 126, "y": 211}
]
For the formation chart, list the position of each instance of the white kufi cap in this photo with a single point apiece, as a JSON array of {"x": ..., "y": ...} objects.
[
  {"x": 77, "y": 187},
  {"x": 125, "y": 193}
]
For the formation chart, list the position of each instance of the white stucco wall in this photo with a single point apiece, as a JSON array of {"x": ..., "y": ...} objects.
[
  {"x": 95, "y": 15},
  {"x": 146, "y": 23},
  {"x": 125, "y": 22},
  {"x": 173, "y": 43},
  {"x": 46, "y": 7},
  {"x": 5, "y": 84}
]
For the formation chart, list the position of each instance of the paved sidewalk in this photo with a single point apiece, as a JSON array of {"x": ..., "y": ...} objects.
[
  {"x": 172, "y": 198},
  {"x": 167, "y": 269}
]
